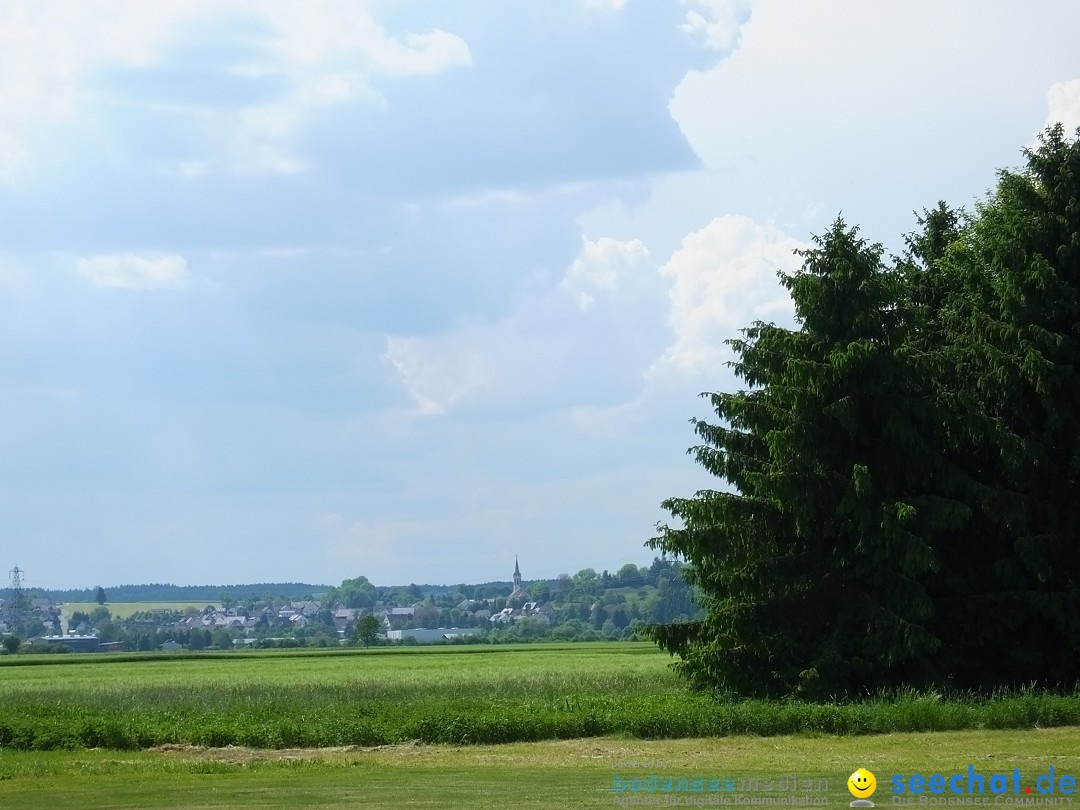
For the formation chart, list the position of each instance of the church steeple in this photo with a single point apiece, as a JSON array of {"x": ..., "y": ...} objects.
[{"x": 517, "y": 593}]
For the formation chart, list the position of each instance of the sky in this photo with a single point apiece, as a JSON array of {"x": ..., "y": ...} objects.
[{"x": 309, "y": 291}]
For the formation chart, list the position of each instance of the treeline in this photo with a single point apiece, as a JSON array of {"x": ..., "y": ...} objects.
[
  {"x": 585, "y": 585},
  {"x": 905, "y": 463},
  {"x": 157, "y": 592}
]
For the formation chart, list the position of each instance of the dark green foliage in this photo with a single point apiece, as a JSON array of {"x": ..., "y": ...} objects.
[
  {"x": 1014, "y": 322},
  {"x": 905, "y": 464},
  {"x": 813, "y": 572},
  {"x": 367, "y": 630},
  {"x": 354, "y": 593}
]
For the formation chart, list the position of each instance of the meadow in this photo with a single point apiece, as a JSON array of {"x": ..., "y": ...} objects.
[{"x": 448, "y": 695}]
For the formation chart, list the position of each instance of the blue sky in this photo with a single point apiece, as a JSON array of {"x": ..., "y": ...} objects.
[{"x": 402, "y": 289}]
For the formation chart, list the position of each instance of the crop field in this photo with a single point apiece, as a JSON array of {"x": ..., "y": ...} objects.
[
  {"x": 449, "y": 695},
  {"x": 124, "y": 610}
]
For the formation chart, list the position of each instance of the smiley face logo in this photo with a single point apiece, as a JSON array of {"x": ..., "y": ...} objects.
[{"x": 862, "y": 784}]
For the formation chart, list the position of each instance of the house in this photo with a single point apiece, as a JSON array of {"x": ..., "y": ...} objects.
[
  {"x": 538, "y": 611},
  {"x": 171, "y": 646},
  {"x": 397, "y": 617},
  {"x": 345, "y": 620},
  {"x": 306, "y": 608}
]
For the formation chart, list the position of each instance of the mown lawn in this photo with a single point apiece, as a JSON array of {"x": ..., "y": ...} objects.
[{"x": 530, "y": 776}]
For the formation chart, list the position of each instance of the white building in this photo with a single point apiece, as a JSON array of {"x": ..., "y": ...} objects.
[{"x": 427, "y": 635}]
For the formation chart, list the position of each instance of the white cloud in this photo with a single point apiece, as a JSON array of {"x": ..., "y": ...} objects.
[
  {"x": 47, "y": 49},
  {"x": 724, "y": 276},
  {"x": 717, "y": 23},
  {"x": 438, "y": 372},
  {"x": 131, "y": 271},
  {"x": 333, "y": 88},
  {"x": 325, "y": 30},
  {"x": 601, "y": 266},
  {"x": 1063, "y": 99},
  {"x": 597, "y": 357},
  {"x": 589, "y": 338},
  {"x": 607, "y": 5}
]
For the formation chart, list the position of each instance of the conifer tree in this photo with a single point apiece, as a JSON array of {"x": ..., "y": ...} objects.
[
  {"x": 813, "y": 571},
  {"x": 905, "y": 466},
  {"x": 941, "y": 296},
  {"x": 1016, "y": 324}
]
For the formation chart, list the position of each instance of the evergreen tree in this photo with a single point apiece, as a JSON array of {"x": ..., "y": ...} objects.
[
  {"x": 1015, "y": 323},
  {"x": 812, "y": 573}
]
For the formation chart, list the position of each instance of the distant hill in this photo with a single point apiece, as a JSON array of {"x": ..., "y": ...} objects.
[{"x": 157, "y": 592}]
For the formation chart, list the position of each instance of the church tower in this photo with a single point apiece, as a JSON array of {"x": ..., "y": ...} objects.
[{"x": 517, "y": 593}]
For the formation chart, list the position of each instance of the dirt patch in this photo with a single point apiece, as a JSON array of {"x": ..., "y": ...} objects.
[{"x": 240, "y": 755}]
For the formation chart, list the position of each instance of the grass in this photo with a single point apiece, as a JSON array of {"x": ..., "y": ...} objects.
[
  {"x": 124, "y": 610},
  {"x": 528, "y": 776},
  {"x": 449, "y": 695}
]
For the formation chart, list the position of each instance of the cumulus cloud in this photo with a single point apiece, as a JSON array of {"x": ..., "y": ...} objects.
[
  {"x": 1063, "y": 100},
  {"x": 601, "y": 266},
  {"x": 438, "y": 372},
  {"x": 613, "y": 324},
  {"x": 131, "y": 271},
  {"x": 45, "y": 48},
  {"x": 322, "y": 31},
  {"x": 48, "y": 49},
  {"x": 723, "y": 277},
  {"x": 586, "y": 339},
  {"x": 717, "y": 23}
]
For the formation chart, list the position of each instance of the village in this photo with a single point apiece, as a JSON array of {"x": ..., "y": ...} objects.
[{"x": 589, "y": 606}]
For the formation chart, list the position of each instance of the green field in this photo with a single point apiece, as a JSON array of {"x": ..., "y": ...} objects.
[
  {"x": 451, "y": 695},
  {"x": 531, "y": 776},
  {"x": 124, "y": 610},
  {"x": 352, "y": 728}
]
